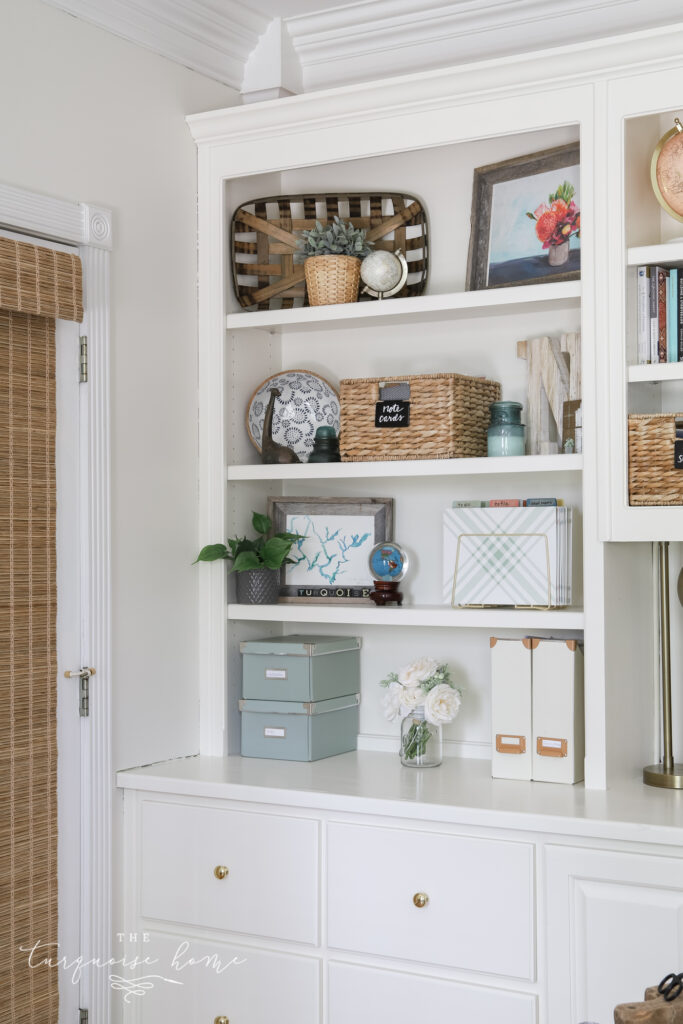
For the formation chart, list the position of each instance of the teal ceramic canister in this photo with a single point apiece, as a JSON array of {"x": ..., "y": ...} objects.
[{"x": 505, "y": 435}]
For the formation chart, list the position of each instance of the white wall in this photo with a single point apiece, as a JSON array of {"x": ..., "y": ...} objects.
[{"x": 89, "y": 117}]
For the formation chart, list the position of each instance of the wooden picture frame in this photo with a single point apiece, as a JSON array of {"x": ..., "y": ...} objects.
[
  {"x": 504, "y": 247},
  {"x": 331, "y": 564}
]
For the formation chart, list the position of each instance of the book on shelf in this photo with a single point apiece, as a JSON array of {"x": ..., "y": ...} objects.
[
  {"x": 659, "y": 315},
  {"x": 507, "y": 503},
  {"x": 662, "y": 292},
  {"x": 643, "y": 314}
]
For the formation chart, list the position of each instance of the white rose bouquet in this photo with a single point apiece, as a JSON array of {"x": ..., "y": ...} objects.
[{"x": 423, "y": 689}]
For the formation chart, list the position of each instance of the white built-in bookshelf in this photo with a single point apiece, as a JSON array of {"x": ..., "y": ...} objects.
[
  {"x": 642, "y": 234},
  {"x": 428, "y": 143}
]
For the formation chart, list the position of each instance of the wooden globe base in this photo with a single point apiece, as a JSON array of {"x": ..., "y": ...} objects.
[{"x": 386, "y": 592}]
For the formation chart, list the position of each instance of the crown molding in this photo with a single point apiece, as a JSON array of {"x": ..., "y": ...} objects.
[
  {"x": 350, "y": 106},
  {"x": 213, "y": 37},
  {"x": 377, "y": 38}
]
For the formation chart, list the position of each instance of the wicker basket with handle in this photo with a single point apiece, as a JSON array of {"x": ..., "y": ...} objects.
[
  {"x": 653, "y": 478},
  {"x": 449, "y": 417}
]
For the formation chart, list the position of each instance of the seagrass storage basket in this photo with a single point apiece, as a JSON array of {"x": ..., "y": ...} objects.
[
  {"x": 448, "y": 417},
  {"x": 653, "y": 478},
  {"x": 331, "y": 279}
]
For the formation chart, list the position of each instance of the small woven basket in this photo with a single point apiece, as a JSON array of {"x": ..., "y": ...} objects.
[
  {"x": 449, "y": 417},
  {"x": 652, "y": 475},
  {"x": 331, "y": 279}
]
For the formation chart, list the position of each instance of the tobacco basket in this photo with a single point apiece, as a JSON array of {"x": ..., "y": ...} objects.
[{"x": 264, "y": 236}]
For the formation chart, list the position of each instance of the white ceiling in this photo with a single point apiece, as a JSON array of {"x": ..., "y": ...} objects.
[{"x": 291, "y": 8}]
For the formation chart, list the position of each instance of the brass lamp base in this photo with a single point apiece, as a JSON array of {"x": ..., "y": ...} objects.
[{"x": 657, "y": 775}]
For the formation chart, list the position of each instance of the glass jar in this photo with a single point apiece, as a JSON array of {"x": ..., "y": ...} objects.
[
  {"x": 506, "y": 434},
  {"x": 421, "y": 742}
]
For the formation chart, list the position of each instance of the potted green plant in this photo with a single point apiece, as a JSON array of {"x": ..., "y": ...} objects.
[
  {"x": 256, "y": 562},
  {"x": 332, "y": 256}
]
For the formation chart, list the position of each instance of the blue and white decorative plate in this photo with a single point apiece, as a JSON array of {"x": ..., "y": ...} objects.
[{"x": 306, "y": 403}]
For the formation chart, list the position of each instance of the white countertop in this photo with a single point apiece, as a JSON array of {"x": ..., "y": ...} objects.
[{"x": 460, "y": 791}]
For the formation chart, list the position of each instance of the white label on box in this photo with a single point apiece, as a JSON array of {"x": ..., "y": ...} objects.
[
  {"x": 272, "y": 731},
  {"x": 276, "y": 673}
]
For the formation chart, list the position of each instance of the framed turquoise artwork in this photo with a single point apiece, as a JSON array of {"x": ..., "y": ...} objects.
[{"x": 330, "y": 562}]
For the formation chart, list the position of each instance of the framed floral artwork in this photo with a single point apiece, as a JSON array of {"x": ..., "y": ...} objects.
[
  {"x": 330, "y": 561},
  {"x": 526, "y": 220}
]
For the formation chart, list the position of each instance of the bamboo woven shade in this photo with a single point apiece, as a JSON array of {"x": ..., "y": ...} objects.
[
  {"x": 34, "y": 279},
  {"x": 28, "y": 667}
]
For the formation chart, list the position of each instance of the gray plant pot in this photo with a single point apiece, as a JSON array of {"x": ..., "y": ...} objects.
[{"x": 258, "y": 586}]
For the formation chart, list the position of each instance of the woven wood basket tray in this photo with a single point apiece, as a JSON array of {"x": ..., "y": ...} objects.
[
  {"x": 449, "y": 417},
  {"x": 652, "y": 476},
  {"x": 264, "y": 236}
]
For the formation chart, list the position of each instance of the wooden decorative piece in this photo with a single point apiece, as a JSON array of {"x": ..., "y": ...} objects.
[
  {"x": 271, "y": 451},
  {"x": 554, "y": 378},
  {"x": 654, "y": 1010},
  {"x": 264, "y": 241}
]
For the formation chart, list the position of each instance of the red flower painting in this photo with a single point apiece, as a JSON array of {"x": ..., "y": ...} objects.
[{"x": 559, "y": 218}]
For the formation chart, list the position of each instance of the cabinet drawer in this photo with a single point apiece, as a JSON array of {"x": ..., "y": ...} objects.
[
  {"x": 272, "y": 883},
  {"x": 365, "y": 996},
  {"x": 248, "y": 986},
  {"x": 479, "y": 914}
]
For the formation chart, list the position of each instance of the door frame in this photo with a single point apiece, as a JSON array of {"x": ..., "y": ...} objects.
[{"x": 90, "y": 229}]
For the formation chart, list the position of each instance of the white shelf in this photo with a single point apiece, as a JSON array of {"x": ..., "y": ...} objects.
[
  {"x": 422, "y": 308},
  {"x": 664, "y": 254},
  {"x": 516, "y": 464},
  {"x": 655, "y": 372},
  {"x": 438, "y": 616}
]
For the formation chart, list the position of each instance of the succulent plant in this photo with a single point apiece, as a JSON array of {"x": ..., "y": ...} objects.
[{"x": 339, "y": 238}]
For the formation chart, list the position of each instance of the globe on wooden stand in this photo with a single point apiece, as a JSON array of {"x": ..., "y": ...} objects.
[
  {"x": 666, "y": 171},
  {"x": 388, "y": 564}
]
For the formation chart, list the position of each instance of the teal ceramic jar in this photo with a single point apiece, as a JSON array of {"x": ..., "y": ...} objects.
[{"x": 506, "y": 433}]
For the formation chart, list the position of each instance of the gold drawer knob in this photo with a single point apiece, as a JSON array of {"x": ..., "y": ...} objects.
[
  {"x": 220, "y": 871},
  {"x": 221, "y": 1020},
  {"x": 420, "y": 899}
]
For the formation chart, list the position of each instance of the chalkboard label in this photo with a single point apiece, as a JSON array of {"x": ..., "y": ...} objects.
[
  {"x": 678, "y": 453},
  {"x": 392, "y": 414}
]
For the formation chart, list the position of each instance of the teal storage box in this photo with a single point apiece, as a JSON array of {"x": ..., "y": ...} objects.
[
  {"x": 300, "y": 668},
  {"x": 291, "y": 731}
]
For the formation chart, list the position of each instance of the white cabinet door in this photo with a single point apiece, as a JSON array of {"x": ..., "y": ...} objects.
[
  {"x": 271, "y": 887},
  {"x": 360, "y": 995},
  {"x": 614, "y": 924},
  {"x": 480, "y": 910},
  {"x": 194, "y": 982}
]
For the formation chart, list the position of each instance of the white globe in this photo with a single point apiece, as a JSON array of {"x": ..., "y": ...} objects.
[{"x": 381, "y": 270}]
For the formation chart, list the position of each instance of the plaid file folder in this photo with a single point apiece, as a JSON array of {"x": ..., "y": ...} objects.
[{"x": 507, "y": 556}]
